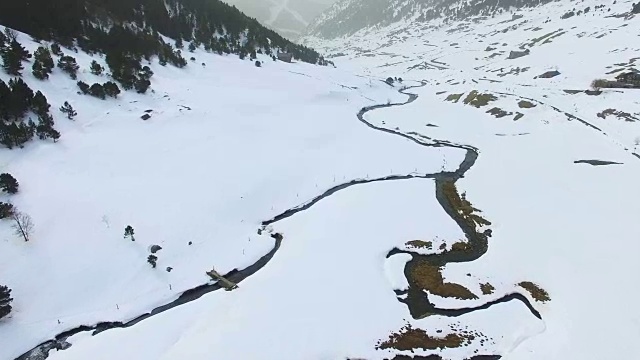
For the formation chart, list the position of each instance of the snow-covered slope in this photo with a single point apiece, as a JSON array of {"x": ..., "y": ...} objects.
[
  {"x": 228, "y": 146},
  {"x": 348, "y": 16},
  {"x": 374, "y": 210}
]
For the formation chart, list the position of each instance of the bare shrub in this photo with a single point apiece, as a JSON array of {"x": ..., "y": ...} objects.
[{"x": 22, "y": 225}]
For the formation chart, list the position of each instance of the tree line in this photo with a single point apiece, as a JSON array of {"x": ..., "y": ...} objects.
[{"x": 138, "y": 24}]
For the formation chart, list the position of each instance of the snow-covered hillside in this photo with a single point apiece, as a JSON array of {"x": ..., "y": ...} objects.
[
  {"x": 346, "y": 17},
  {"x": 228, "y": 145},
  {"x": 472, "y": 210}
]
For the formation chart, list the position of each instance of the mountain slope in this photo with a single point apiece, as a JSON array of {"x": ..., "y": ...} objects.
[
  {"x": 212, "y": 23},
  {"x": 288, "y": 17},
  {"x": 348, "y": 16}
]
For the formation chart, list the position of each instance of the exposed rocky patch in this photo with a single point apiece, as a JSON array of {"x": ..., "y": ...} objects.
[
  {"x": 617, "y": 113},
  {"x": 597, "y": 162}
]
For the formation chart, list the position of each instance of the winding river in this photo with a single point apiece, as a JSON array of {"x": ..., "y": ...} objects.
[{"x": 416, "y": 299}]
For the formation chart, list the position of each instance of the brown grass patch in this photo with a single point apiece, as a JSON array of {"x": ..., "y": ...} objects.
[
  {"x": 409, "y": 339},
  {"x": 454, "y": 97},
  {"x": 487, "y": 289},
  {"x": 538, "y": 293},
  {"x": 429, "y": 278},
  {"x": 419, "y": 244},
  {"x": 462, "y": 206},
  {"x": 461, "y": 246},
  {"x": 479, "y": 100},
  {"x": 499, "y": 113}
]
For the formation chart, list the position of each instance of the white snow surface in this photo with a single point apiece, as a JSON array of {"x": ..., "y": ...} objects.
[{"x": 258, "y": 141}]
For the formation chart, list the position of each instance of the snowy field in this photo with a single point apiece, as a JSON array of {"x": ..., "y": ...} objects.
[
  {"x": 568, "y": 227},
  {"x": 230, "y": 145}
]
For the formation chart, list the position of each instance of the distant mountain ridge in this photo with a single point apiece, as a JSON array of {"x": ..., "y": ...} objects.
[
  {"x": 289, "y": 18},
  {"x": 348, "y": 16}
]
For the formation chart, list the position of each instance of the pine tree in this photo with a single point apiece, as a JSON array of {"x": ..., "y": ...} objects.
[
  {"x": 55, "y": 49},
  {"x": 179, "y": 43},
  {"x": 84, "y": 87},
  {"x": 142, "y": 85},
  {"x": 111, "y": 89},
  {"x": 152, "y": 259},
  {"x": 3, "y": 41},
  {"x": 6, "y": 210},
  {"x": 8, "y": 183},
  {"x": 68, "y": 109},
  {"x": 128, "y": 232},
  {"x": 5, "y": 98},
  {"x": 16, "y": 134},
  {"x": 39, "y": 104},
  {"x": 45, "y": 129},
  {"x": 21, "y": 97},
  {"x": 258, "y": 63},
  {"x": 96, "y": 69},
  {"x": 97, "y": 90},
  {"x": 69, "y": 65},
  {"x": 11, "y": 62},
  {"x": 19, "y": 50},
  {"x": 143, "y": 82},
  {"x": 43, "y": 64},
  {"x": 192, "y": 47},
  {"x": 5, "y": 301}
]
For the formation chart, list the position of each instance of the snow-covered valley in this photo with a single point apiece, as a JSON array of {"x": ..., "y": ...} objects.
[{"x": 467, "y": 203}]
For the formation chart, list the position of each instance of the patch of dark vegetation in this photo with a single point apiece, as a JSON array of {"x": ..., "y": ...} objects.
[
  {"x": 617, "y": 113},
  {"x": 499, "y": 113},
  {"x": 538, "y": 293},
  {"x": 461, "y": 205},
  {"x": 597, "y": 162},
  {"x": 518, "y": 116},
  {"x": 438, "y": 357},
  {"x": 487, "y": 289},
  {"x": 478, "y": 99},
  {"x": 429, "y": 278},
  {"x": 109, "y": 88},
  {"x": 16, "y": 101},
  {"x": 454, "y": 97},
  {"x": 410, "y": 339},
  {"x": 524, "y": 104},
  {"x": 572, "y": 92}
]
